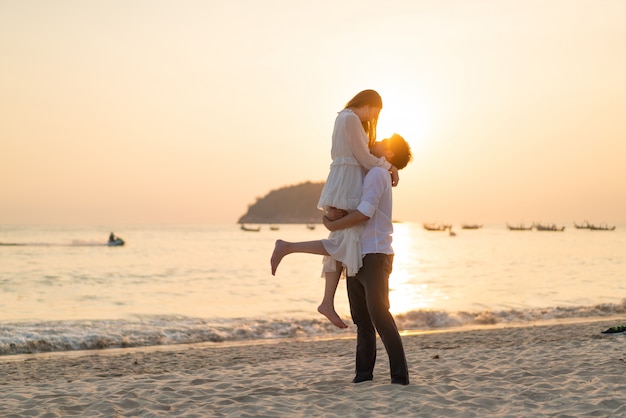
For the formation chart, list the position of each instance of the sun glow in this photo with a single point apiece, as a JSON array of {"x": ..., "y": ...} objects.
[{"x": 404, "y": 113}]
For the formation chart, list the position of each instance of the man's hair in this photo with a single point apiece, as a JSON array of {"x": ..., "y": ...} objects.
[{"x": 401, "y": 150}]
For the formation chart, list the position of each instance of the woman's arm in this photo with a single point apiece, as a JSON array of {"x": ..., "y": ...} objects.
[{"x": 357, "y": 141}]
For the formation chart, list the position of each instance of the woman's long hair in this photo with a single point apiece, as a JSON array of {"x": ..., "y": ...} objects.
[{"x": 364, "y": 98}]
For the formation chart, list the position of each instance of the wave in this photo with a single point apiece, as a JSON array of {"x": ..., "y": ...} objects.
[
  {"x": 56, "y": 336},
  {"x": 417, "y": 320}
]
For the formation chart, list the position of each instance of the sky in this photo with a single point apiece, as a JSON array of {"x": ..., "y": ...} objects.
[{"x": 149, "y": 112}]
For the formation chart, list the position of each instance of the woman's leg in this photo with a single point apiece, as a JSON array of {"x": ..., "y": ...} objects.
[
  {"x": 327, "y": 307},
  {"x": 283, "y": 248}
]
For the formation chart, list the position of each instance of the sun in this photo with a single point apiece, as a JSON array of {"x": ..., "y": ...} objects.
[{"x": 404, "y": 112}]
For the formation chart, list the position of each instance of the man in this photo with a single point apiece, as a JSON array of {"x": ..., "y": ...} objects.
[{"x": 368, "y": 291}]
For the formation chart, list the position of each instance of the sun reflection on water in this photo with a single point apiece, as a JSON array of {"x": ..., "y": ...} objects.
[{"x": 406, "y": 291}]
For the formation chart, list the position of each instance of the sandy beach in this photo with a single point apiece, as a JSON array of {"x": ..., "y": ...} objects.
[{"x": 553, "y": 370}]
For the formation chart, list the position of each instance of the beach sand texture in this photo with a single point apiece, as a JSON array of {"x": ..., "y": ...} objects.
[{"x": 555, "y": 370}]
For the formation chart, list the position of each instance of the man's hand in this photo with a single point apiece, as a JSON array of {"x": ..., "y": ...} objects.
[
  {"x": 333, "y": 213},
  {"x": 344, "y": 220}
]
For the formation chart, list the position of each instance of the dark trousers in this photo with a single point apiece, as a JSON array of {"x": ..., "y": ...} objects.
[{"x": 368, "y": 293}]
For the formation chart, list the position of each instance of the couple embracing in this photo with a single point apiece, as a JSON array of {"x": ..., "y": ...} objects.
[{"x": 357, "y": 204}]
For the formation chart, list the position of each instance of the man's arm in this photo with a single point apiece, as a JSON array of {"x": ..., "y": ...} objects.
[
  {"x": 376, "y": 181},
  {"x": 353, "y": 218}
]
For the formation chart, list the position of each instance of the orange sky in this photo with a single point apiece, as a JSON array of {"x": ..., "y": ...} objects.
[{"x": 118, "y": 112}]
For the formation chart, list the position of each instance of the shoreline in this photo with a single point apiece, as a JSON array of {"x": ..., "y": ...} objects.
[
  {"x": 569, "y": 369},
  {"x": 349, "y": 333}
]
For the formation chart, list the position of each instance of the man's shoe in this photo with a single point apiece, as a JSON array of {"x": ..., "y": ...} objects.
[
  {"x": 359, "y": 379},
  {"x": 400, "y": 381}
]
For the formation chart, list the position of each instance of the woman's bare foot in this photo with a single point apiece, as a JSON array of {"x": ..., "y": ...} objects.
[
  {"x": 329, "y": 312},
  {"x": 280, "y": 250}
]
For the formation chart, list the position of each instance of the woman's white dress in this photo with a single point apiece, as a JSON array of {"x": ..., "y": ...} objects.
[{"x": 344, "y": 185}]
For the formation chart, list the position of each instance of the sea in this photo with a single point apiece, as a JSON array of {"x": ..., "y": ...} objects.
[{"x": 63, "y": 289}]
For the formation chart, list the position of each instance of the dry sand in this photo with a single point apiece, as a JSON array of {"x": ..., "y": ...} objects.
[{"x": 556, "y": 370}]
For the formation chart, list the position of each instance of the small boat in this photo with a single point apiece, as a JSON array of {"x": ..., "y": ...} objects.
[
  {"x": 601, "y": 228},
  {"x": 115, "y": 241},
  {"x": 471, "y": 226},
  {"x": 436, "y": 227},
  {"x": 310, "y": 226},
  {"x": 552, "y": 227},
  {"x": 247, "y": 228},
  {"x": 273, "y": 228},
  {"x": 584, "y": 225},
  {"x": 519, "y": 227}
]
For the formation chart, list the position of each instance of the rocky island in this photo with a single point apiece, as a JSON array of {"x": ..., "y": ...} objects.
[{"x": 287, "y": 205}]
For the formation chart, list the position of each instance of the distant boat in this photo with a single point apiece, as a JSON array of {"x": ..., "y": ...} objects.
[
  {"x": 592, "y": 227},
  {"x": 519, "y": 227},
  {"x": 273, "y": 228},
  {"x": 552, "y": 227},
  {"x": 247, "y": 228},
  {"x": 310, "y": 226},
  {"x": 601, "y": 227},
  {"x": 115, "y": 241},
  {"x": 436, "y": 227},
  {"x": 471, "y": 226}
]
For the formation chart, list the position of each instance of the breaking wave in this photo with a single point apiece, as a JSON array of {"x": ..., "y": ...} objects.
[{"x": 58, "y": 336}]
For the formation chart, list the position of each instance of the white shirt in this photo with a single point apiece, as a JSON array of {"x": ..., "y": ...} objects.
[{"x": 376, "y": 203}]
